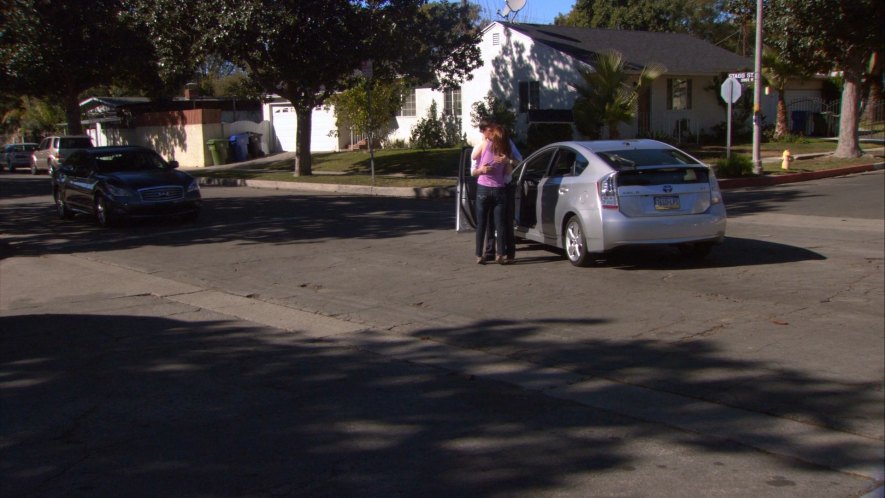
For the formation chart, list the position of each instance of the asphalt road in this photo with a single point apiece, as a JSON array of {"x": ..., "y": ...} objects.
[{"x": 319, "y": 345}]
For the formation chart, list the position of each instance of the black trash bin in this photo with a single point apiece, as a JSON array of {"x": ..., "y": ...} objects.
[
  {"x": 239, "y": 145},
  {"x": 255, "y": 145}
]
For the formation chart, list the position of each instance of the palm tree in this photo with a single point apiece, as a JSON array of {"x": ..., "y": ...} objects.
[
  {"x": 777, "y": 72},
  {"x": 606, "y": 95}
]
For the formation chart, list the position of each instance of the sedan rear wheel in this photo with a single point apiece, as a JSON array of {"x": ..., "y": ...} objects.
[
  {"x": 102, "y": 213},
  {"x": 574, "y": 243},
  {"x": 60, "y": 206}
]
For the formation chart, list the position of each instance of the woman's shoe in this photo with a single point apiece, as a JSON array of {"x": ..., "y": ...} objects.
[
  {"x": 500, "y": 260},
  {"x": 480, "y": 261}
]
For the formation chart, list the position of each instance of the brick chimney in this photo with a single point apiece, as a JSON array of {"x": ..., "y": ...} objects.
[{"x": 191, "y": 91}]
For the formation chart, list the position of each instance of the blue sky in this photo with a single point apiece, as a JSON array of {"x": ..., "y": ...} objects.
[{"x": 535, "y": 11}]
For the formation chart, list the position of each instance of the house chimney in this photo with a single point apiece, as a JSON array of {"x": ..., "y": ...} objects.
[{"x": 191, "y": 91}]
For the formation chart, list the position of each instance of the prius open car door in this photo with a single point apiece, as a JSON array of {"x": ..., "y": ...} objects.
[{"x": 466, "y": 193}]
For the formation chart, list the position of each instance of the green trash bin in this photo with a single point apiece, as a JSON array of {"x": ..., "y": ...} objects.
[{"x": 218, "y": 149}]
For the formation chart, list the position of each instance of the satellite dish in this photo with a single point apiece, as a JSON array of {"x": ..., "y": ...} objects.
[
  {"x": 511, "y": 8},
  {"x": 515, "y": 5}
]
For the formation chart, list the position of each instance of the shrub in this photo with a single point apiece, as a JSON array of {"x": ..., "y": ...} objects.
[
  {"x": 734, "y": 167},
  {"x": 433, "y": 131}
]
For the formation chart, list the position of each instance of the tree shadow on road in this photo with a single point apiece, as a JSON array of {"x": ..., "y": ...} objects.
[{"x": 106, "y": 404}]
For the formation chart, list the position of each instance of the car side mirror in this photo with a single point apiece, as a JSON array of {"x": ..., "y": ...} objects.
[{"x": 173, "y": 164}]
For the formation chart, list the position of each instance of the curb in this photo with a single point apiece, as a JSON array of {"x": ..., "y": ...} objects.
[
  {"x": 413, "y": 192},
  {"x": 765, "y": 181},
  {"x": 449, "y": 192}
]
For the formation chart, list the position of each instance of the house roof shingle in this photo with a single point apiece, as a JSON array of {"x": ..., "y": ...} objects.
[{"x": 679, "y": 53}]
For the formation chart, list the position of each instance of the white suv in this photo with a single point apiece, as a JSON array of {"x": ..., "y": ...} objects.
[{"x": 53, "y": 150}]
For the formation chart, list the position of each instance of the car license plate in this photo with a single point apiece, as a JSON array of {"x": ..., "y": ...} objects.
[{"x": 666, "y": 202}]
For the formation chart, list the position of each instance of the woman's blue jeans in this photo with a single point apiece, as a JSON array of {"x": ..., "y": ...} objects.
[{"x": 491, "y": 202}]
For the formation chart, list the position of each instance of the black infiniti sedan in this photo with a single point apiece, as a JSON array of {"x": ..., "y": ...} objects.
[{"x": 123, "y": 182}]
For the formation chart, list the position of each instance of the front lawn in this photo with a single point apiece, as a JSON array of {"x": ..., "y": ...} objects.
[{"x": 439, "y": 167}]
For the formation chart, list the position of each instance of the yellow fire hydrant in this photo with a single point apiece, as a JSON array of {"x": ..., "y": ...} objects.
[{"x": 788, "y": 158}]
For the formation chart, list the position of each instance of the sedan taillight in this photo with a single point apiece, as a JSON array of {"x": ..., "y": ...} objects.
[
  {"x": 715, "y": 193},
  {"x": 608, "y": 191}
]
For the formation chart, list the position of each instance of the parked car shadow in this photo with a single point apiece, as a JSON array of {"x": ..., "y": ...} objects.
[{"x": 734, "y": 251}]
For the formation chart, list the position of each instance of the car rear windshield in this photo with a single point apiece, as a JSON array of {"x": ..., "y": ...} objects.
[
  {"x": 130, "y": 160},
  {"x": 25, "y": 148},
  {"x": 74, "y": 143},
  {"x": 636, "y": 158},
  {"x": 663, "y": 176}
]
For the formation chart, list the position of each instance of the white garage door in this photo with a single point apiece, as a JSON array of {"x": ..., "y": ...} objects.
[
  {"x": 285, "y": 125},
  {"x": 322, "y": 123}
]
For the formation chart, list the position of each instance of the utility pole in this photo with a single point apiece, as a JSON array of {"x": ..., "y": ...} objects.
[{"x": 757, "y": 94}]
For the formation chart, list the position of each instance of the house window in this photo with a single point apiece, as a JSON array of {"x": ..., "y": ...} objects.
[
  {"x": 678, "y": 94},
  {"x": 452, "y": 104},
  {"x": 529, "y": 95},
  {"x": 408, "y": 108},
  {"x": 496, "y": 39}
]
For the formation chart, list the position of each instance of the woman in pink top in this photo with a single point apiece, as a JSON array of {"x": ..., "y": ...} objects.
[{"x": 495, "y": 162}]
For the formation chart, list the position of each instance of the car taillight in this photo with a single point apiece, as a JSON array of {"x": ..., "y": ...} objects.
[
  {"x": 608, "y": 191},
  {"x": 715, "y": 193}
]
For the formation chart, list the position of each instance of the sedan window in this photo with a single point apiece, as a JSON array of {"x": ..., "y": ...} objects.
[
  {"x": 79, "y": 163},
  {"x": 535, "y": 167},
  {"x": 568, "y": 163},
  {"x": 663, "y": 176},
  {"x": 136, "y": 160},
  {"x": 634, "y": 158},
  {"x": 75, "y": 143}
]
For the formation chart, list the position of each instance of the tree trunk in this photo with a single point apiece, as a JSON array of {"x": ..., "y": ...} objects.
[
  {"x": 781, "y": 127},
  {"x": 72, "y": 114},
  {"x": 873, "y": 91},
  {"x": 849, "y": 118},
  {"x": 303, "y": 165}
]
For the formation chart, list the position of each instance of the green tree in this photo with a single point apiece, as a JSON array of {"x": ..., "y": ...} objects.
[
  {"x": 676, "y": 16},
  {"x": 352, "y": 105},
  {"x": 57, "y": 49},
  {"x": 308, "y": 50},
  {"x": 608, "y": 95},
  {"x": 826, "y": 35},
  {"x": 33, "y": 117}
]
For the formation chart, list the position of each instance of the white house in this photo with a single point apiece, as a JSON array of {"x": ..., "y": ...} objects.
[{"x": 533, "y": 67}]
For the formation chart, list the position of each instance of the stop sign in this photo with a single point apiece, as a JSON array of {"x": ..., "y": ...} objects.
[{"x": 731, "y": 90}]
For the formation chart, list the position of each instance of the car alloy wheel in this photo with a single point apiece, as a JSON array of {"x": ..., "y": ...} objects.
[
  {"x": 102, "y": 214},
  {"x": 60, "y": 206},
  {"x": 574, "y": 243}
]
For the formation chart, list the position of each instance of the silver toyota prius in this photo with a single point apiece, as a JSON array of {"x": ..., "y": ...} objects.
[{"x": 588, "y": 198}]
